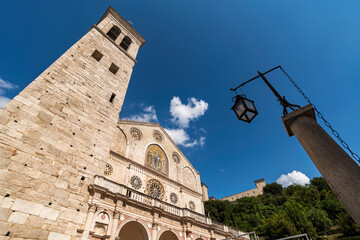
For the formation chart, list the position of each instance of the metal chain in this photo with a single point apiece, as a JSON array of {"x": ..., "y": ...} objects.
[{"x": 334, "y": 132}]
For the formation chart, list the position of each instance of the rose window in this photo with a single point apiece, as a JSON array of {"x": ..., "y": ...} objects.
[
  {"x": 173, "y": 198},
  {"x": 155, "y": 189},
  {"x": 157, "y": 136},
  {"x": 192, "y": 206},
  {"x": 108, "y": 169},
  {"x": 135, "y": 134},
  {"x": 135, "y": 182},
  {"x": 176, "y": 157}
]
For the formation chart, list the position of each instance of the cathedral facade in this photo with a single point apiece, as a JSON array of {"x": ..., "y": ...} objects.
[{"x": 71, "y": 170}]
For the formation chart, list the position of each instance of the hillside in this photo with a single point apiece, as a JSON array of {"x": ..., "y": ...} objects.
[{"x": 281, "y": 212}]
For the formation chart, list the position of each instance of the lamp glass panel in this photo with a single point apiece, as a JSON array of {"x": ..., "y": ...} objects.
[
  {"x": 239, "y": 108},
  {"x": 250, "y": 115},
  {"x": 249, "y": 104},
  {"x": 244, "y": 118}
]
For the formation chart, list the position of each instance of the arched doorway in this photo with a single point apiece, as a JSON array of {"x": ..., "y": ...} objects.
[
  {"x": 133, "y": 231},
  {"x": 168, "y": 235}
]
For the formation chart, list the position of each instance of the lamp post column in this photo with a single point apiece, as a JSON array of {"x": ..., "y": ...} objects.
[{"x": 338, "y": 169}]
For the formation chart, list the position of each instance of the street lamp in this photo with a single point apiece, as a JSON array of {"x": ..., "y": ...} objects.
[
  {"x": 335, "y": 165},
  {"x": 244, "y": 108}
]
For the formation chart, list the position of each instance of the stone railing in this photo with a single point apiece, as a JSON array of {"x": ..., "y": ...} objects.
[{"x": 167, "y": 207}]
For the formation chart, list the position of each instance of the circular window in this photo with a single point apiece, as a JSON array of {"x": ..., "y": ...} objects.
[
  {"x": 173, "y": 198},
  {"x": 157, "y": 136},
  {"x": 135, "y": 182},
  {"x": 108, "y": 169},
  {"x": 135, "y": 134},
  {"x": 192, "y": 206},
  {"x": 155, "y": 189},
  {"x": 176, "y": 157}
]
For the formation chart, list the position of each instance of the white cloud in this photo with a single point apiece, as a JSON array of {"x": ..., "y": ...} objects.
[
  {"x": 181, "y": 117},
  {"x": 3, "y": 101},
  {"x": 295, "y": 177},
  {"x": 202, "y": 141},
  {"x": 148, "y": 115},
  {"x": 180, "y": 137},
  {"x": 182, "y": 114},
  {"x": 5, "y": 85}
]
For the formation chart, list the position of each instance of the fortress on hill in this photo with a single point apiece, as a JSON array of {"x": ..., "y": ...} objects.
[
  {"x": 260, "y": 184},
  {"x": 70, "y": 169}
]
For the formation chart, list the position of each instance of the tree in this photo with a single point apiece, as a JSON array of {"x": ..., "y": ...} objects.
[
  {"x": 278, "y": 226},
  {"x": 319, "y": 219},
  {"x": 332, "y": 206},
  {"x": 319, "y": 183},
  {"x": 296, "y": 213},
  {"x": 279, "y": 212},
  {"x": 347, "y": 225},
  {"x": 274, "y": 189}
]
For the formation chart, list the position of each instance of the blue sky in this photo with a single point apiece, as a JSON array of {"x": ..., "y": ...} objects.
[{"x": 196, "y": 51}]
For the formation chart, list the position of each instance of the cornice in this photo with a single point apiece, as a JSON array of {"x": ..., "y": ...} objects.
[
  {"x": 124, "y": 23},
  {"x": 120, "y": 121},
  {"x": 112, "y": 153}
]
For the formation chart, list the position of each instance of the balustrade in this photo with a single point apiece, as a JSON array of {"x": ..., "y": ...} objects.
[{"x": 167, "y": 207}]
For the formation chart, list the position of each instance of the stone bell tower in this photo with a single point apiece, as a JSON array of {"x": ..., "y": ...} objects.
[{"x": 56, "y": 134}]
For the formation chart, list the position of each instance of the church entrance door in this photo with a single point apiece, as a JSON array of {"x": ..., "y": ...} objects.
[
  {"x": 168, "y": 235},
  {"x": 133, "y": 231}
]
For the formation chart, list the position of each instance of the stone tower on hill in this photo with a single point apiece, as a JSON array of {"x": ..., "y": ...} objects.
[
  {"x": 71, "y": 170},
  {"x": 260, "y": 184}
]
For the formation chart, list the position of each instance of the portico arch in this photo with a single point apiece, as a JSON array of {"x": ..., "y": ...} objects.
[
  {"x": 133, "y": 230},
  {"x": 168, "y": 235}
]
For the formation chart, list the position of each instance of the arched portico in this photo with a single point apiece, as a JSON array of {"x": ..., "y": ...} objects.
[
  {"x": 168, "y": 235},
  {"x": 133, "y": 230}
]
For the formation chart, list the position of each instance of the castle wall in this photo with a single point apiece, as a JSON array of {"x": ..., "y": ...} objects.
[{"x": 260, "y": 184}]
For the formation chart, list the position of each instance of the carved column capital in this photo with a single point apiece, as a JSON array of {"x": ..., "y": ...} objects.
[
  {"x": 117, "y": 214},
  {"x": 92, "y": 207},
  {"x": 155, "y": 225}
]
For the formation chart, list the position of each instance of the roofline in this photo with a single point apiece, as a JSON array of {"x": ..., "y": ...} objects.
[
  {"x": 163, "y": 130},
  {"x": 125, "y": 23},
  {"x": 259, "y": 180}
]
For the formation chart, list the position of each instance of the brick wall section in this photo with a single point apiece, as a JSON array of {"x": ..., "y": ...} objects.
[{"x": 56, "y": 135}]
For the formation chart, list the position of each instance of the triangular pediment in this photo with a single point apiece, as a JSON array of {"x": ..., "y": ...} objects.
[{"x": 149, "y": 144}]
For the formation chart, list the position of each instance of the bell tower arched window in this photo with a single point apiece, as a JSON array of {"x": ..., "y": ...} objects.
[
  {"x": 114, "y": 32},
  {"x": 125, "y": 43}
]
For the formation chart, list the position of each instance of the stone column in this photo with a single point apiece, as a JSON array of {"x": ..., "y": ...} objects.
[
  {"x": 339, "y": 170},
  {"x": 114, "y": 225},
  {"x": 154, "y": 231},
  {"x": 89, "y": 220}
]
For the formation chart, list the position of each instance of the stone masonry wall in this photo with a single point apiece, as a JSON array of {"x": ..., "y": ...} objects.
[{"x": 55, "y": 136}]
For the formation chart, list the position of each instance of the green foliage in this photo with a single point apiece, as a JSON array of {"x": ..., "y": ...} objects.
[
  {"x": 319, "y": 219},
  {"x": 274, "y": 189},
  {"x": 347, "y": 225},
  {"x": 279, "y": 226},
  {"x": 320, "y": 183},
  {"x": 311, "y": 209}
]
